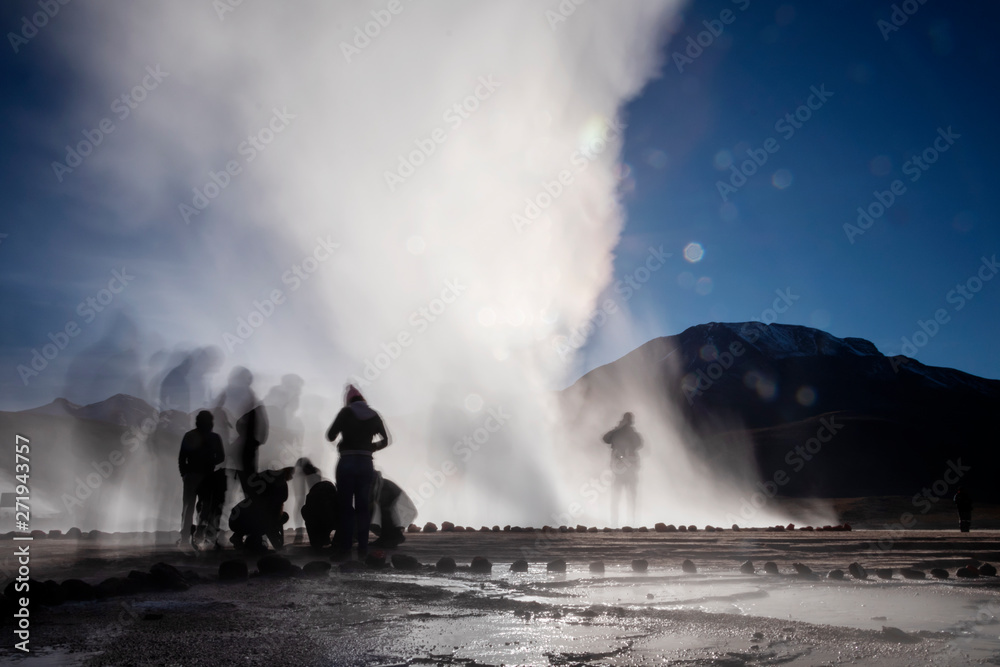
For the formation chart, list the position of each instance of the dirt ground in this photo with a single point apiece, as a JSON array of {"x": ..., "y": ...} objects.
[{"x": 715, "y": 616}]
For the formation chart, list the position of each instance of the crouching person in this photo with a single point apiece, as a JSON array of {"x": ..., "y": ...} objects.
[{"x": 261, "y": 513}]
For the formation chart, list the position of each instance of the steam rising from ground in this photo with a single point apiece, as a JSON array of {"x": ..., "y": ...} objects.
[{"x": 436, "y": 203}]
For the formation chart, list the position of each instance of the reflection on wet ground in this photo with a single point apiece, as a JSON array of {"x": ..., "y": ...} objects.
[{"x": 716, "y": 616}]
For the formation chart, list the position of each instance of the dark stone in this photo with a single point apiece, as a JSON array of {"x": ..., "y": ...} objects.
[
  {"x": 692, "y": 529},
  {"x": 660, "y": 527},
  {"x": 987, "y": 570},
  {"x": 642, "y": 529},
  {"x": 405, "y": 563},
  {"x": 557, "y": 565},
  {"x": 520, "y": 565},
  {"x": 910, "y": 573},
  {"x": 627, "y": 529},
  {"x": 748, "y": 568},
  {"x": 55, "y": 534},
  {"x": 39, "y": 534},
  {"x": 735, "y": 527},
  {"x": 447, "y": 527},
  {"x": 430, "y": 527},
  {"x": 275, "y": 565},
  {"x": 837, "y": 575},
  {"x": 967, "y": 572},
  {"x": 857, "y": 571},
  {"x": 597, "y": 567},
  {"x": 166, "y": 576},
  {"x": 316, "y": 568},
  {"x": 802, "y": 569},
  {"x": 116, "y": 586},
  {"x": 884, "y": 573},
  {"x": 413, "y": 528},
  {"x": 376, "y": 560},
  {"x": 145, "y": 579},
  {"x": 77, "y": 590},
  {"x": 939, "y": 573},
  {"x": 481, "y": 565},
  {"x": 49, "y": 593},
  {"x": 682, "y": 529},
  {"x": 770, "y": 567},
  {"x": 592, "y": 529},
  {"x": 74, "y": 533},
  {"x": 233, "y": 570},
  {"x": 446, "y": 565},
  {"x": 581, "y": 529},
  {"x": 495, "y": 529},
  {"x": 640, "y": 565},
  {"x": 670, "y": 528},
  {"x": 688, "y": 566}
]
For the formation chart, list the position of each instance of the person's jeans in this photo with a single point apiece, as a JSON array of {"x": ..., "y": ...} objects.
[
  {"x": 191, "y": 481},
  {"x": 354, "y": 487}
]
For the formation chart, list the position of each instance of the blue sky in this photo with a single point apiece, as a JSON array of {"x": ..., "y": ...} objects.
[{"x": 889, "y": 96}]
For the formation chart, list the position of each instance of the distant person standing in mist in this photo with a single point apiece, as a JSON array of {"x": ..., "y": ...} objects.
[
  {"x": 625, "y": 444},
  {"x": 964, "y": 504},
  {"x": 362, "y": 433}
]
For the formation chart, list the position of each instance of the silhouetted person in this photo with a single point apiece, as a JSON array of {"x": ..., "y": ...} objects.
[
  {"x": 185, "y": 387},
  {"x": 625, "y": 444},
  {"x": 358, "y": 426},
  {"x": 244, "y": 420},
  {"x": 201, "y": 450},
  {"x": 395, "y": 511},
  {"x": 964, "y": 504},
  {"x": 260, "y": 513}
]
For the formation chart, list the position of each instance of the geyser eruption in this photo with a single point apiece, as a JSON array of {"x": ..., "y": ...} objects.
[{"x": 419, "y": 198}]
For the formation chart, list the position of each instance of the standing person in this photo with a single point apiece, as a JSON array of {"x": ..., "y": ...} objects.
[
  {"x": 964, "y": 504},
  {"x": 201, "y": 450},
  {"x": 625, "y": 444},
  {"x": 358, "y": 426}
]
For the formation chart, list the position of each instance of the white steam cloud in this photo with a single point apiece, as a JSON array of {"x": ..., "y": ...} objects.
[{"x": 435, "y": 200}]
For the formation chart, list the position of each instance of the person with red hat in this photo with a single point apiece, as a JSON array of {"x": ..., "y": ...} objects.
[{"x": 362, "y": 433}]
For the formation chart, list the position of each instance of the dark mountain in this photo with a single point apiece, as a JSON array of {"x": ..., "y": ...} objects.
[{"x": 834, "y": 416}]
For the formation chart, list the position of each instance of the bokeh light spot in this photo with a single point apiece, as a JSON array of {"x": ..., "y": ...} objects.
[
  {"x": 693, "y": 252},
  {"x": 781, "y": 179},
  {"x": 806, "y": 395}
]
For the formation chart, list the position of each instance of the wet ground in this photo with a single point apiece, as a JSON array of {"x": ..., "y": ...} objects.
[{"x": 716, "y": 616}]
